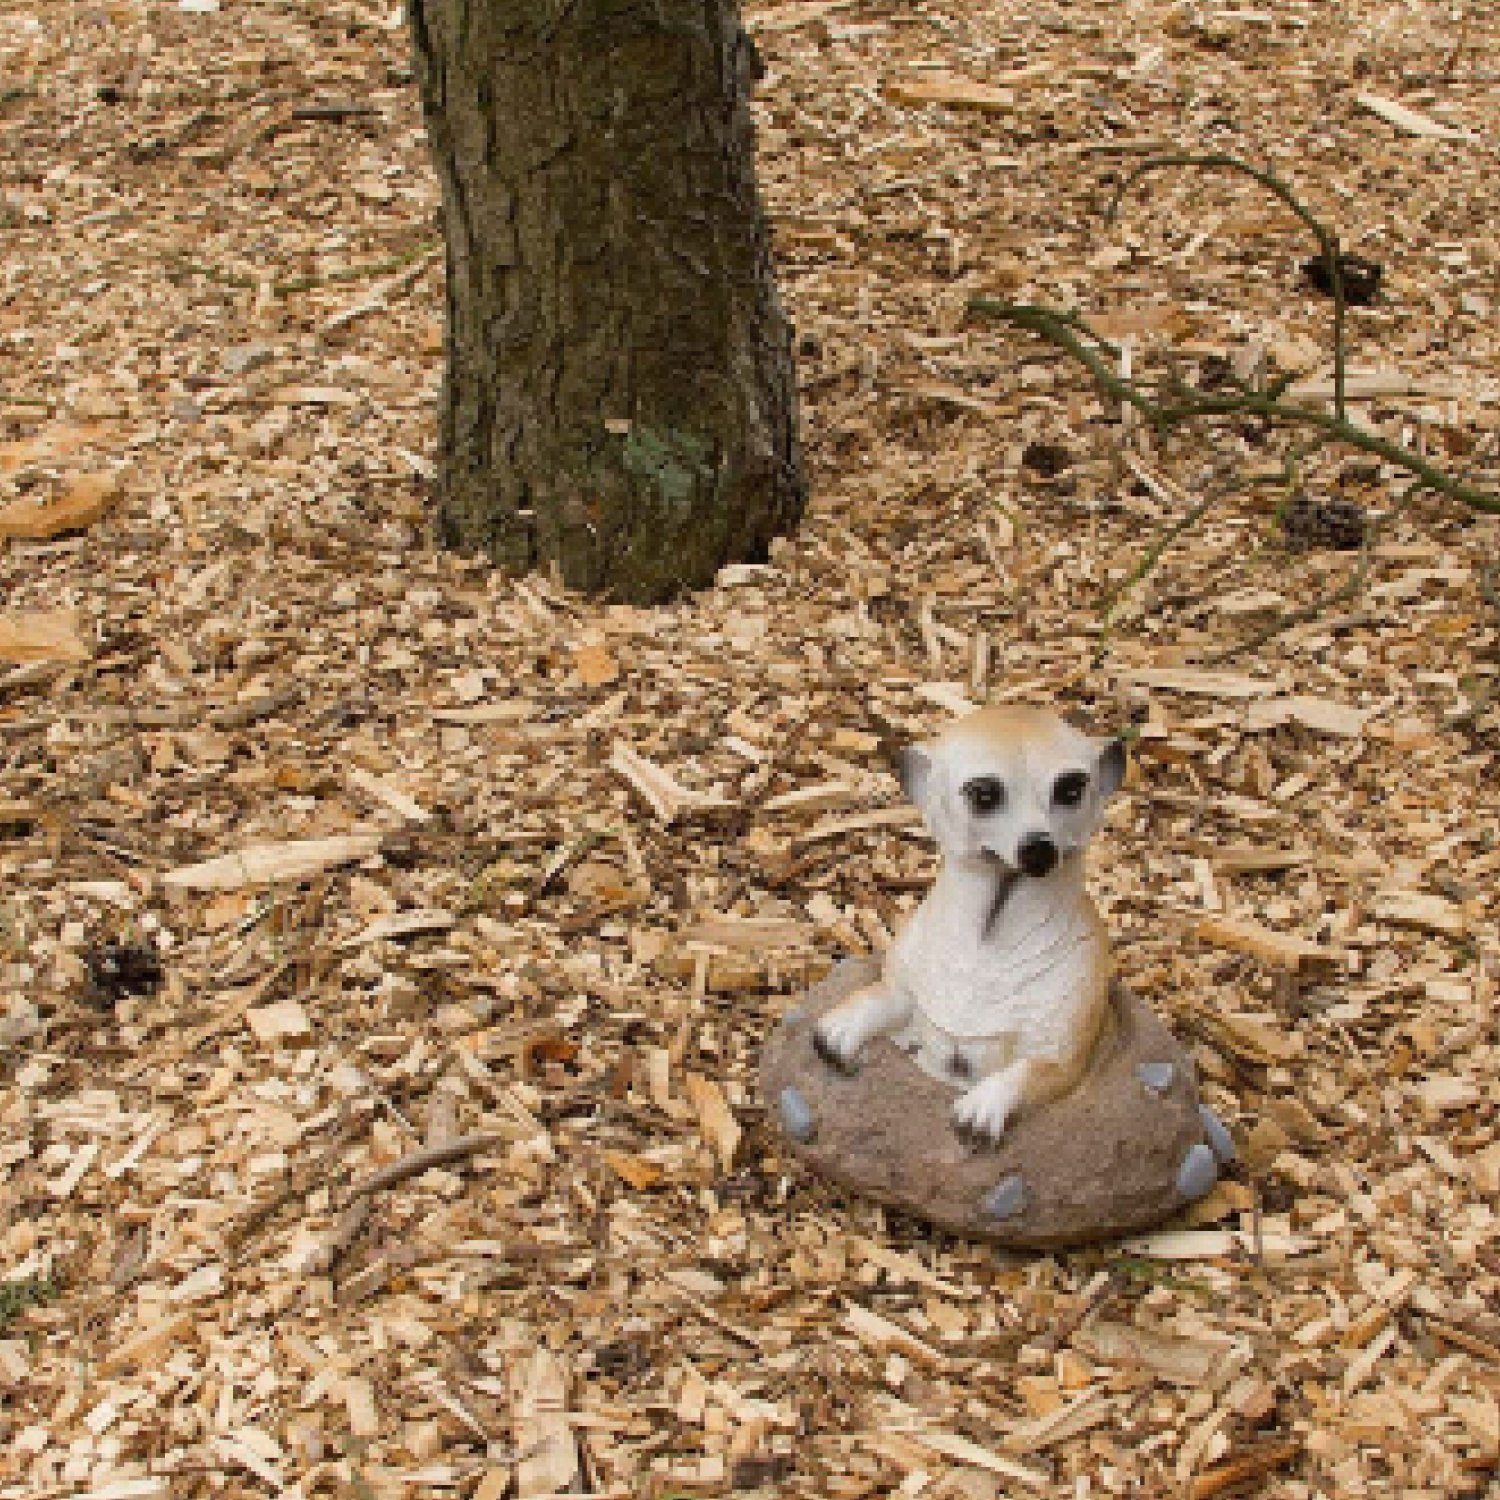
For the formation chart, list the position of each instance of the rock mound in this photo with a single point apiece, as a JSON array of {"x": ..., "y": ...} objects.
[{"x": 1129, "y": 1147}]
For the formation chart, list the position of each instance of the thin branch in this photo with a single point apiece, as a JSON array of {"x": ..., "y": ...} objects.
[
  {"x": 1328, "y": 244},
  {"x": 1484, "y": 693},
  {"x": 1186, "y": 404},
  {"x": 1350, "y": 588},
  {"x": 441, "y": 1155},
  {"x": 1147, "y": 564},
  {"x": 417, "y": 256}
]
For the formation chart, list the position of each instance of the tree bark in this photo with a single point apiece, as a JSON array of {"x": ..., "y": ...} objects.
[{"x": 619, "y": 396}]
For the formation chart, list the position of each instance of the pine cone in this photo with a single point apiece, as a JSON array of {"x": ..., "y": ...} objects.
[
  {"x": 1361, "y": 278},
  {"x": 1333, "y": 523}
]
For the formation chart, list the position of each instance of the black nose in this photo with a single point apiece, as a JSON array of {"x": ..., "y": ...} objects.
[{"x": 1037, "y": 854}]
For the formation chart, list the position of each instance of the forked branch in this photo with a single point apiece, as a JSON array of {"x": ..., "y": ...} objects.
[
  {"x": 1175, "y": 403},
  {"x": 1171, "y": 402}
]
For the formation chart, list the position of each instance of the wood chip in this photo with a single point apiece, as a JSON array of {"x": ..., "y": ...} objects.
[
  {"x": 42, "y": 635},
  {"x": 1422, "y": 909},
  {"x": 753, "y": 934},
  {"x": 1205, "y": 683},
  {"x": 1083, "y": 1413},
  {"x": 147, "y": 1345},
  {"x": 715, "y": 1118},
  {"x": 884, "y": 817},
  {"x": 883, "y": 1335},
  {"x": 1321, "y": 715},
  {"x": 1242, "y": 1468},
  {"x": 1185, "y": 1361},
  {"x": 438, "y": 1043},
  {"x": 271, "y": 864},
  {"x": 390, "y": 796},
  {"x": 638, "y": 1173},
  {"x": 956, "y": 92},
  {"x": 548, "y": 1451},
  {"x": 1274, "y": 948},
  {"x": 661, "y": 792},
  {"x": 82, "y": 503},
  {"x": 1408, "y": 120},
  {"x": 401, "y": 924},
  {"x": 284, "y": 1021},
  {"x": 963, "y": 1450},
  {"x": 359, "y": 1402}
]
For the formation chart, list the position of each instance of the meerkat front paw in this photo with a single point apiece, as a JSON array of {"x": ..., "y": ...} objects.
[
  {"x": 870, "y": 1012},
  {"x": 836, "y": 1039},
  {"x": 985, "y": 1110}
]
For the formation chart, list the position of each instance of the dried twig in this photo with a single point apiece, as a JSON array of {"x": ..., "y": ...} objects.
[
  {"x": 1181, "y": 403},
  {"x": 315, "y": 1174},
  {"x": 1102, "y": 1291},
  {"x": 439, "y": 1155},
  {"x": 1484, "y": 694},
  {"x": 335, "y": 110},
  {"x": 1328, "y": 245},
  {"x": 1148, "y": 562},
  {"x": 1173, "y": 402},
  {"x": 1252, "y": 1463},
  {"x": 417, "y": 257}
]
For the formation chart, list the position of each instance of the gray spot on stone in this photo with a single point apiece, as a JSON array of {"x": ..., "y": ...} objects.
[
  {"x": 1198, "y": 1172},
  {"x": 796, "y": 1114},
  {"x": 1218, "y": 1136},
  {"x": 1157, "y": 1076},
  {"x": 1007, "y": 1198},
  {"x": 795, "y": 1016}
]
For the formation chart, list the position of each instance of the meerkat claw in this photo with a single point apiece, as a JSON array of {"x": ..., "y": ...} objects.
[
  {"x": 831, "y": 1054},
  {"x": 983, "y": 1113}
]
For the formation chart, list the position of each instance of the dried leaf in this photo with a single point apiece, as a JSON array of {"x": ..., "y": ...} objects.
[{"x": 77, "y": 508}]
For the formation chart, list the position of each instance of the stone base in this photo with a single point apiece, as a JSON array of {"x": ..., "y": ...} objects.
[{"x": 1126, "y": 1149}]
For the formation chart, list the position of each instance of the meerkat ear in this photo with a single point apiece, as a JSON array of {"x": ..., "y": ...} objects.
[
  {"x": 914, "y": 768},
  {"x": 1111, "y": 768}
]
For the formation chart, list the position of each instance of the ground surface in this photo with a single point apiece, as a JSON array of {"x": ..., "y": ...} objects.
[{"x": 218, "y": 287}]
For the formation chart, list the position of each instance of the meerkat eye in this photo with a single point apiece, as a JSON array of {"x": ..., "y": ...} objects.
[
  {"x": 1068, "y": 789},
  {"x": 985, "y": 794}
]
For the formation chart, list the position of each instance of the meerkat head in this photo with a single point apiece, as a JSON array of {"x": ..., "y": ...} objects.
[{"x": 1018, "y": 786}]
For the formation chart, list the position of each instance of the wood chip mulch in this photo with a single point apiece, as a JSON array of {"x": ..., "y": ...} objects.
[{"x": 385, "y": 946}]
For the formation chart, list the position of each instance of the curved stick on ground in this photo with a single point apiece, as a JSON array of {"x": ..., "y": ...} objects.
[
  {"x": 441, "y": 1155},
  {"x": 1328, "y": 244},
  {"x": 1185, "y": 403}
]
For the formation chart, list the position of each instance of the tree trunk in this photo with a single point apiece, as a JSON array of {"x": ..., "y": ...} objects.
[{"x": 620, "y": 397}]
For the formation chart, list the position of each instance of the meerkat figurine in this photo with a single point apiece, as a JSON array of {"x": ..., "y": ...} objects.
[{"x": 999, "y": 982}]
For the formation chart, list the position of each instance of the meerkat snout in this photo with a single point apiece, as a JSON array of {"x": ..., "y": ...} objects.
[{"x": 1036, "y": 855}]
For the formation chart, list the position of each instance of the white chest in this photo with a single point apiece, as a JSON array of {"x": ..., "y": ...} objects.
[{"x": 986, "y": 991}]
